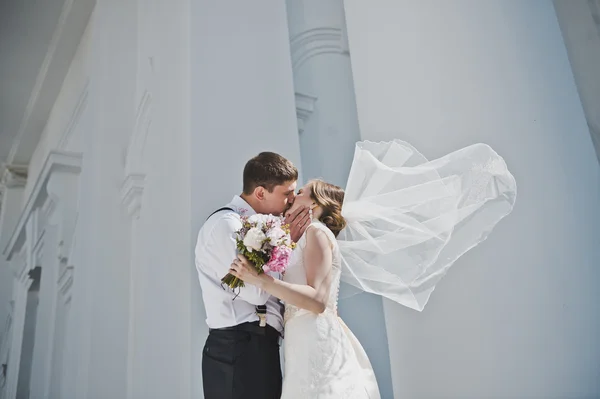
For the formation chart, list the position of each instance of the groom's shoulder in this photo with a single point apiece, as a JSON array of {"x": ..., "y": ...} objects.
[
  {"x": 217, "y": 226},
  {"x": 224, "y": 219}
]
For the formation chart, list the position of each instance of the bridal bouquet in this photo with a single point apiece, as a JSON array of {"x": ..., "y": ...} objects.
[{"x": 265, "y": 240}]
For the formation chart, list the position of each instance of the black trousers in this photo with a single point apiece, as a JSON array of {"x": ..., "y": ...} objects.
[{"x": 242, "y": 362}]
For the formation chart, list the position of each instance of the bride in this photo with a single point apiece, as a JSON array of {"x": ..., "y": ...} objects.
[{"x": 395, "y": 231}]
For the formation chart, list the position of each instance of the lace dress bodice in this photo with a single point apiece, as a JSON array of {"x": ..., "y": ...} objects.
[{"x": 296, "y": 272}]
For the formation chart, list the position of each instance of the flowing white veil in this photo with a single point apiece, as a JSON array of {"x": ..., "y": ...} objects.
[{"x": 410, "y": 219}]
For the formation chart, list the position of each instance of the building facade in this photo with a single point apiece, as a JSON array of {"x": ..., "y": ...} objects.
[{"x": 140, "y": 119}]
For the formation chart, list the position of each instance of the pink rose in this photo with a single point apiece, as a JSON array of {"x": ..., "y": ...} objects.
[{"x": 280, "y": 257}]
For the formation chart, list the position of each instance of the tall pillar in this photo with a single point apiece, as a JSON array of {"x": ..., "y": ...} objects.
[
  {"x": 328, "y": 129},
  {"x": 101, "y": 286},
  {"x": 242, "y": 103},
  {"x": 11, "y": 201},
  {"x": 42, "y": 233},
  {"x": 156, "y": 193},
  {"x": 518, "y": 315},
  {"x": 18, "y": 324},
  {"x": 57, "y": 218},
  {"x": 46, "y": 258},
  {"x": 11, "y": 296},
  {"x": 328, "y": 124}
]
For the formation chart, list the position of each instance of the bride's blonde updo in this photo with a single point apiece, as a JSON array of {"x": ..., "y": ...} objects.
[{"x": 330, "y": 198}]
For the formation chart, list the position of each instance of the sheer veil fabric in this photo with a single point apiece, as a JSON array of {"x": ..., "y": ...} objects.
[{"x": 409, "y": 219}]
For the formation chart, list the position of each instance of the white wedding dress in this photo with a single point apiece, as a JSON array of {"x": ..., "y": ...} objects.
[{"x": 322, "y": 358}]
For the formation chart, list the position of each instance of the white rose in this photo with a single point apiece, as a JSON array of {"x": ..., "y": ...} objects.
[
  {"x": 254, "y": 239},
  {"x": 257, "y": 220},
  {"x": 254, "y": 218},
  {"x": 275, "y": 234}
]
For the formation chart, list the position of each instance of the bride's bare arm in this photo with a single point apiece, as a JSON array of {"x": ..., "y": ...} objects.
[{"x": 317, "y": 262}]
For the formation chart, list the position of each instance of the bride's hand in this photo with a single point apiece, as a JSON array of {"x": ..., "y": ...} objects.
[
  {"x": 298, "y": 219},
  {"x": 242, "y": 269}
]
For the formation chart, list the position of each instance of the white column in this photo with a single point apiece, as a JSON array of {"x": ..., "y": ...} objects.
[
  {"x": 327, "y": 112},
  {"x": 324, "y": 93},
  {"x": 57, "y": 221},
  {"x": 101, "y": 285},
  {"x": 46, "y": 257},
  {"x": 517, "y": 316},
  {"x": 11, "y": 196},
  {"x": 242, "y": 103},
  {"x": 11, "y": 201},
  {"x": 12, "y": 184},
  {"x": 156, "y": 196},
  {"x": 20, "y": 289}
]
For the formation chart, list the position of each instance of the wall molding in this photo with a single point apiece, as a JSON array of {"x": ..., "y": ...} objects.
[
  {"x": 131, "y": 193},
  {"x": 14, "y": 176},
  {"x": 305, "y": 106},
  {"x": 65, "y": 282},
  {"x": 316, "y": 41},
  {"x": 134, "y": 182},
  {"x": 56, "y": 162}
]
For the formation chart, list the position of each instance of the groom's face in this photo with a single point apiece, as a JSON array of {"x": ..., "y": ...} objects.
[{"x": 280, "y": 199}]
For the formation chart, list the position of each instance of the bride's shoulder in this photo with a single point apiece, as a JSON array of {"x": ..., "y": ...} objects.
[{"x": 319, "y": 233}]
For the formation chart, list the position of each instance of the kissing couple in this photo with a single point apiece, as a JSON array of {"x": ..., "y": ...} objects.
[{"x": 394, "y": 231}]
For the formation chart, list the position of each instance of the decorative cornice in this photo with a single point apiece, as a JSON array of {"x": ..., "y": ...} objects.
[
  {"x": 131, "y": 194},
  {"x": 314, "y": 42},
  {"x": 305, "y": 106},
  {"x": 14, "y": 176},
  {"x": 57, "y": 161}
]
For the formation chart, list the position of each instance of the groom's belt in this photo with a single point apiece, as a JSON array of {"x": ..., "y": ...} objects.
[{"x": 253, "y": 328}]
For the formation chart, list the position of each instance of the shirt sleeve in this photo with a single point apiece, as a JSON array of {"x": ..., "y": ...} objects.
[{"x": 222, "y": 243}]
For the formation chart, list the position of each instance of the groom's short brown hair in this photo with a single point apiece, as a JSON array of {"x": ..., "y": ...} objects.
[{"x": 268, "y": 170}]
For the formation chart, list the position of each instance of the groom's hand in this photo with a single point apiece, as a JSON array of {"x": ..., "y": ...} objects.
[{"x": 298, "y": 221}]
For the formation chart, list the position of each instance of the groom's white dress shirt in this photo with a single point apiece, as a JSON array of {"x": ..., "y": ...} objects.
[{"x": 215, "y": 251}]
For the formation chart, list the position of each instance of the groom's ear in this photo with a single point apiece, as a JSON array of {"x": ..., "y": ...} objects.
[{"x": 259, "y": 193}]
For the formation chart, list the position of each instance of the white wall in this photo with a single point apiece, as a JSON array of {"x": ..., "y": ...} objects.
[
  {"x": 242, "y": 103},
  {"x": 518, "y": 316}
]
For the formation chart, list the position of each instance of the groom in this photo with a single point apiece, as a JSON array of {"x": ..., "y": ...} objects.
[{"x": 240, "y": 358}]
